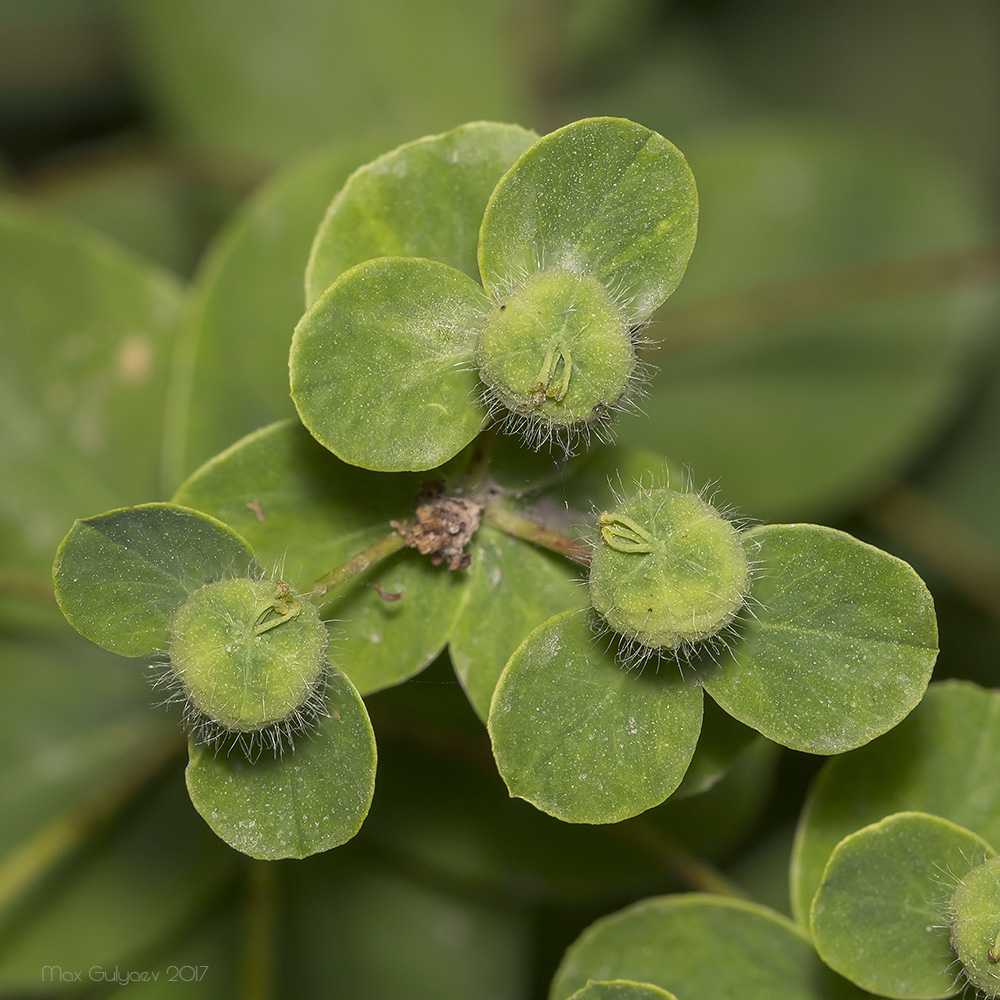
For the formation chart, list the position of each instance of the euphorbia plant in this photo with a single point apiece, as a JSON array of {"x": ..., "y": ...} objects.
[{"x": 476, "y": 307}]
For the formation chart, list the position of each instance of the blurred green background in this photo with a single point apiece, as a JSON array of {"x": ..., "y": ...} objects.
[{"x": 832, "y": 354}]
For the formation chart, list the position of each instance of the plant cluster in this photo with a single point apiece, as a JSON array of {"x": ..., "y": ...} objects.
[{"x": 476, "y": 311}]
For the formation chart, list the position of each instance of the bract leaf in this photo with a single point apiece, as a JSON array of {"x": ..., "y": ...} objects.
[
  {"x": 603, "y": 196},
  {"x": 881, "y": 914},
  {"x": 838, "y": 643},
  {"x": 424, "y": 199},
  {"x": 513, "y": 588},
  {"x": 381, "y": 365},
  {"x": 582, "y": 739},
  {"x": 701, "y": 948},
  {"x": 311, "y": 799},
  {"x": 121, "y": 576},
  {"x": 939, "y": 760}
]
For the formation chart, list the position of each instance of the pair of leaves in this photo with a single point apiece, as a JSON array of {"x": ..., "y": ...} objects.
[
  {"x": 920, "y": 806},
  {"x": 837, "y": 647},
  {"x": 121, "y": 578},
  {"x": 882, "y": 914},
  {"x": 383, "y": 363}
]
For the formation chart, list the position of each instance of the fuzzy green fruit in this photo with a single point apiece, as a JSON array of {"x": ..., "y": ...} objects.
[
  {"x": 670, "y": 570},
  {"x": 975, "y": 926},
  {"x": 556, "y": 353},
  {"x": 249, "y": 656}
]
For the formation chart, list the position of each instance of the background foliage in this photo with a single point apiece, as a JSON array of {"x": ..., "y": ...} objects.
[{"x": 830, "y": 355}]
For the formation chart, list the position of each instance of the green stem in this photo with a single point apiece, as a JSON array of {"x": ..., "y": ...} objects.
[
  {"x": 49, "y": 846},
  {"x": 956, "y": 552},
  {"x": 475, "y": 475},
  {"x": 375, "y": 553},
  {"x": 17, "y": 584},
  {"x": 260, "y": 931},
  {"x": 690, "y": 871},
  {"x": 531, "y": 531},
  {"x": 729, "y": 316}
]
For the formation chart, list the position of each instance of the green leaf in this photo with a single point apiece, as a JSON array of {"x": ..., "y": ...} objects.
[
  {"x": 713, "y": 823},
  {"x": 881, "y": 915},
  {"x": 311, "y": 799},
  {"x": 121, "y": 576},
  {"x": 806, "y": 398},
  {"x": 940, "y": 760},
  {"x": 603, "y": 196},
  {"x": 839, "y": 642},
  {"x": 722, "y": 741},
  {"x": 85, "y": 331},
  {"x": 305, "y": 511},
  {"x": 425, "y": 199},
  {"x": 256, "y": 81},
  {"x": 582, "y": 739},
  {"x": 381, "y": 365},
  {"x": 701, "y": 948},
  {"x": 512, "y": 588},
  {"x": 621, "y": 989},
  {"x": 231, "y": 367}
]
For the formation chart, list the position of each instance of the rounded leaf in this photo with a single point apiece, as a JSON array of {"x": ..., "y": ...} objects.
[
  {"x": 940, "y": 760},
  {"x": 882, "y": 912},
  {"x": 312, "y": 798},
  {"x": 603, "y": 196},
  {"x": 424, "y": 199},
  {"x": 839, "y": 642},
  {"x": 122, "y": 576},
  {"x": 381, "y": 365},
  {"x": 582, "y": 739},
  {"x": 701, "y": 948},
  {"x": 513, "y": 588}
]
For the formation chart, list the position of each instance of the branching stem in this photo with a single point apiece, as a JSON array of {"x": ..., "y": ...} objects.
[
  {"x": 690, "y": 871},
  {"x": 51, "y": 845},
  {"x": 375, "y": 553},
  {"x": 538, "y": 534}
]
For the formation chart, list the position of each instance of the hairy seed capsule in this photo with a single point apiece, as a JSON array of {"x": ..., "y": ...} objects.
[
  {"x": 670, "y": 570},
  {"x": 557, "y": 350},
  {"x": 975, "y": 926},
  {"x": 248, "y": 654}
]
